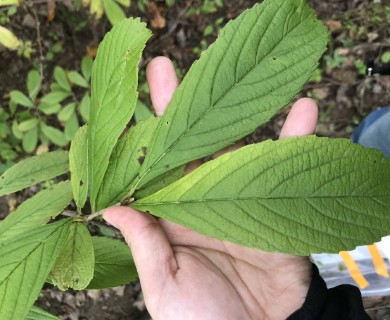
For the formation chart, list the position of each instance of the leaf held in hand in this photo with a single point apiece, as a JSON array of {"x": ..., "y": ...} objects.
[
  {"x": 36, "y": 211},
  {"x": 114, "y": 94},
  {"x": 74, "y": 267},
  {"x": 114, "y": 265},
  {"x": 298, "y": 196},
  {"x": 24, "y": 266},
  {"x": 125, "y": 162},
  {"x": 78, "y": 163},
  {"x": 257, "y": 65}
]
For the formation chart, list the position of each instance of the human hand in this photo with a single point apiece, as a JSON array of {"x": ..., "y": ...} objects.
[{"x": 186, "y": 275}]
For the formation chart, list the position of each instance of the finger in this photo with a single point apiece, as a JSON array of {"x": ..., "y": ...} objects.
[
  {"x": 162, "y": 80},
  {"x": 152, "y": 253},
  {"x": 301, "y": 120}
]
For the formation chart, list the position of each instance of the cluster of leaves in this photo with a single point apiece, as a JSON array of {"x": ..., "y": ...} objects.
[
  {"x": 34, "y": 118},
  {"x": 298, "y": 195}
]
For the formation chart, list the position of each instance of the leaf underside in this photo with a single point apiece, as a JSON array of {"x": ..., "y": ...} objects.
[
  {"x": 78, "y": 163},
  {"x": 299, "y": 196},
  {"x": 34, "y": 170},
  {"x": 36, "y": 211},
  {"x": 114, "y": 94},
  {"x": 24, "y": 266},
  {"x": 74, "y": 267},
  {"x": 114, "y": 265},
  {"x": 125, "y": 163},
  {"x": 257, "y": 65}
]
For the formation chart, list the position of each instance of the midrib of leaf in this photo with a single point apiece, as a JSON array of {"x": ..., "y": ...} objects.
[{"x": 237, "y": 82}]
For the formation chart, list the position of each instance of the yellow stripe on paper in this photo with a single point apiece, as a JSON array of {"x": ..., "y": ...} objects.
[
  {"x": 377, "y": 259},
  {"x": 353, "y": 269}
]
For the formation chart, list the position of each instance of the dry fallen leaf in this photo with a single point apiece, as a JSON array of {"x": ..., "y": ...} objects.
[
  {"x": 335, "y": 26},
  {"x": 158, "y": 21},
  {"x": 51, "y": 10}
]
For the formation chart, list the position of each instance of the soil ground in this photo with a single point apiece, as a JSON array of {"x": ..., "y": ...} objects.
[{"x": 344, "y": 95}]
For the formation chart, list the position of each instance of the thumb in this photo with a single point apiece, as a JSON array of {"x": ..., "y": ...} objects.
[{"x": 152, "y": 252}]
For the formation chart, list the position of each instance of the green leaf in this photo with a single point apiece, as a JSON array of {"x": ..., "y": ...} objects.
[
  {"x": 77, "y": 79},
  {"x": 160, "y": 182},
  {"x": 55, "y": 97},
  {"x": 24, "y": 266},
  {"x": 49, "y": 109},
  {"x": 71, "y": 126},
  {"x": 142, "y": 112},
  {"x": 36, "y": 211},
  {"x": 114, "y": 264},
  {"x": 125, "y": 162},
  {"x": 30, "y": 140},
  {"x": 28, "y": 124},
  {"x": 86, "y": 67},
  {"x": 55, "y": 135},
  {"x": 67, "y": 112},
  {"x": 78, "y": 163},
  {"x": 114, "y": 95},
  {"x": 16, "y": 131},
  {"x": 257, "y": 65},
  {"x": 74, "y": 267},
  {"x": 84, "y": 107},
  {"x": 113, "y": 11},
  {"x": 34, "y": 170},
  {"x": 20, "y": 98},
  {"x": 38, "y": 314},
  {"x": 62, "y": 79},
  {"x": 33, "y": 84},
  {"x": 298, "y": 196}
]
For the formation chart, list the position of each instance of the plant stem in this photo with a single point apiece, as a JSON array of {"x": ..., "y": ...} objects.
[{"x": 93, "y": 215}]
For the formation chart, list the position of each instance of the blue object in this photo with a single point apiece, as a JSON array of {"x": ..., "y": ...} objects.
[{"x": 374, "y": 131}]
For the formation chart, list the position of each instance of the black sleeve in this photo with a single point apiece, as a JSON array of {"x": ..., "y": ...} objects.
[{"x": 339, "y": 303}]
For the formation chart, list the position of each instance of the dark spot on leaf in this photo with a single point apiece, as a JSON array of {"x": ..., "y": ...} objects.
[
  {"x": 166, "y": 166},
  {"x": 81, "y": 183},
  {"x": 274, "y": 58},
  {"x": 32, "y": 180},
  {"x": 144, "y": 150},
  {"x": 374, "y": 161},
  {"x": 167, "y": 122},
  {"x": 141, "y": 160}
]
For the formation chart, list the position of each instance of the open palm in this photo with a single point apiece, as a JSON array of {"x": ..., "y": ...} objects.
[{"x": 186, "y": 275}]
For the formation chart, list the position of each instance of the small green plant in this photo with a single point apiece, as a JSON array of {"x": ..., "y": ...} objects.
[
  {"x": 297, "y": 196},
  {"x": 335, "y": 60},
  {"x": 36, "y": 117}
]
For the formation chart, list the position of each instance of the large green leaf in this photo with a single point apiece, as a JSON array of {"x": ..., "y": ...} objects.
[
  {"x": 125, "y": 163},
  {"x": 299, "y": 195},
  {"x": 74, "y": 267},
  {"x": 114, "y": 264},
  {"x": 24, "y": 266},
  {"x": 79, "y": 167},
  {"x": 114, "y": 94},
  {"x": 34, "y": 170},
  {"x": 38, "y": 314},
  {"x": 257, "y": 65},
  {"x": 36, "y": 211}
]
